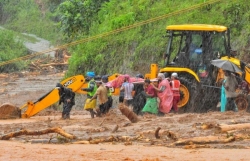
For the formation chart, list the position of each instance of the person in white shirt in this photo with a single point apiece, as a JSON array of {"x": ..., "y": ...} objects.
[{"x": 127, "y": 88}]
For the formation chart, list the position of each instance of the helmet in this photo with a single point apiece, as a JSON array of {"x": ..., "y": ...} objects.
[
  {"x": 105, "y": 78},
  {"x": 174, "y": 75},
  {"x": 139, "y": 76},
  {"x": 91, "y": 74}
]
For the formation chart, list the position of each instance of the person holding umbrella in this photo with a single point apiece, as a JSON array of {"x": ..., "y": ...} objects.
[{"x": 230, "y": 84}]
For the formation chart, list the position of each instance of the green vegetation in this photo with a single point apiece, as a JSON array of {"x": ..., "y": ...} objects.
[
  {"x": 78, "y": 15},
  {"x": 131, "y": 50},
  {"x": 11, "y": 47}
]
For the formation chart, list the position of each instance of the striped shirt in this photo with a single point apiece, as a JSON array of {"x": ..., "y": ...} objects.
[{"x": 128, "y": 88}]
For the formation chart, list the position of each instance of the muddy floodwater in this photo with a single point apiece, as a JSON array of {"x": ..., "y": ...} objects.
[{"x": 114, "y": 137}]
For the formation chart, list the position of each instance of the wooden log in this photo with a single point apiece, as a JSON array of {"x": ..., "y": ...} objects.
[
  {"x": 39, "y": 132},
  {"x": 242, "y": 136},
  {"x": 53, "y": 64},
  {"x": 157, "y": 133},
  {"x": 204, "y": 140},
  {"x": 97, "y": 141},
  {"x": 225, "y": 128},
  {"x": 82, "y": 142},
  {"x": 110, "y": 139},
  {"x": 35, "y": 65},
  {"x": 128, "y": 113},
  {"x": 194, "y": 146}
]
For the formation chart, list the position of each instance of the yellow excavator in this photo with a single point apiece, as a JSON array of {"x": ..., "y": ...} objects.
[{"x": 189, "y": 52}]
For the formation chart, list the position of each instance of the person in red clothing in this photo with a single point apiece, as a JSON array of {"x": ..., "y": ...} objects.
[
  {"x": 175, "y": 87},
  {"x": 151, "y": 105},
  {"x": 165, "y": 94}
]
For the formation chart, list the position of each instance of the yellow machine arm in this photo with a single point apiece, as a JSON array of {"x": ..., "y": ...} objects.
[{"x": 76, "y": 83}]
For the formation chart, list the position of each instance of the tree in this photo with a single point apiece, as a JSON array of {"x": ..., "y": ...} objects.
[{"x": 77, "y": 16}]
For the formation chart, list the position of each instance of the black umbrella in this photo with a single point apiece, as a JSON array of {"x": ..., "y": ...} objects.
[{"x": 226, "y": 65}]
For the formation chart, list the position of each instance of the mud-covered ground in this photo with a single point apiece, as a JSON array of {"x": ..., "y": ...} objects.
[{"x": 114, "y": 137}]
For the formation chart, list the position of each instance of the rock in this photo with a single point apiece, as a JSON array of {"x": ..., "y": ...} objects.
[{"x": 9, "y": 111}]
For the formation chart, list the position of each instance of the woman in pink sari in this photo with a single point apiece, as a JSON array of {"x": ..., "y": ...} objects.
[{"x": 164, "y": 93}]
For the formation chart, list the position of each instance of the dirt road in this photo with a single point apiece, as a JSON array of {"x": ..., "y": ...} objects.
[{"x": 130, "y": 142}]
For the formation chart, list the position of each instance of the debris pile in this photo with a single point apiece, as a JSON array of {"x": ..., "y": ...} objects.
[{"x": 51, "y": 64}]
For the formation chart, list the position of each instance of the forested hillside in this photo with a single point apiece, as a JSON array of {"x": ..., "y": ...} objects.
[{"x": 130, "y": 50}]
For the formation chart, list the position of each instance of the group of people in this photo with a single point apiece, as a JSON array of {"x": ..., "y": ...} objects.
[
  {"x": 97, "y": 89},
  {"x": 167, "y": 90},
  {"x": 161, "y": 95}
]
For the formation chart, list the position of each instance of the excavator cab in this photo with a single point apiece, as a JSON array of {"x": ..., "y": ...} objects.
[
  {"x": 194, "y": 46},
  {"x": 189, "y": 52}
]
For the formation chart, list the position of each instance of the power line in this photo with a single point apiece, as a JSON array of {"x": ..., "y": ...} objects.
[{"x": 112, "y": 32}]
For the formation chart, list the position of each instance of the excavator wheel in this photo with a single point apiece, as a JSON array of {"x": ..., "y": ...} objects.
[
  {"x": 241, "y": 102},
  {"x": 191, "y": 95},
  {"x": 185, "y": 103},
  {"x": 184, "y": 96}
]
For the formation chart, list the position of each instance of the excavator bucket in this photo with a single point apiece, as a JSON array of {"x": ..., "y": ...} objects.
[{"x": 42, "y": 103}]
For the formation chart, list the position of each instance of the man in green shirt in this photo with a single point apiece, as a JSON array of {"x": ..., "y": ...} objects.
[{"x": 91, "y": 90}]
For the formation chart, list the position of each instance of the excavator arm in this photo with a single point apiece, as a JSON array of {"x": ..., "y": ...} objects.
[{"x": 76, "y": 83}]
